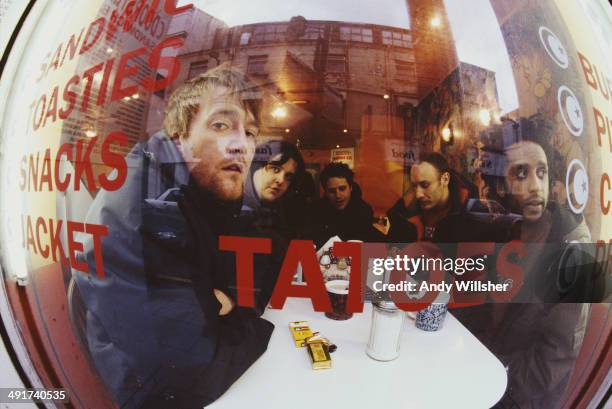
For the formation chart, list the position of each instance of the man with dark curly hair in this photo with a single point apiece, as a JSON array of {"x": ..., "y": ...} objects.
[{"x": 341, "y": 211}]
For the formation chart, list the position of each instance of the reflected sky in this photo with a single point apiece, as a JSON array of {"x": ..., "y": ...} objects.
[
  {"x": 237, "y": 12},
  {"x": 479, "y": 41}
]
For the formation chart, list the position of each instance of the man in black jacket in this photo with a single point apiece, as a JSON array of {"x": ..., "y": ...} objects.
[
  {"x": 437, "y": 210},
  {"x": 539, "y": 334},
  {"x": 341, "y": 211}
]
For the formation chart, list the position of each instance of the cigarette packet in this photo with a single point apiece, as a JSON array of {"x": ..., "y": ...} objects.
[
  {"x": 300, "y": 331},
  {"x": 319, "y": 355}
]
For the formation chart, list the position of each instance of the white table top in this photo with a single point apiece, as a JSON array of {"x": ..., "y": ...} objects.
[{"x": 443, "y": 369}]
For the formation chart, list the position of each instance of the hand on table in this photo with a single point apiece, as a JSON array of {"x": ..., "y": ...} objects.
[{"x": 382, "y": 224}]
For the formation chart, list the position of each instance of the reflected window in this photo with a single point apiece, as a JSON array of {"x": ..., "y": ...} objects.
[
  {"x": 223, "y": 39},
  {"x": 257, "y": 64},
  {"x": 396, "y": 38},
  {"x": 270, "y": 33},
  {"x": 363, "y": 35},
  {"x": 197, "y": 68},
  {"x": 405, "y": 71},
  {"x": 313, "y": 32},
  {"x": 245, "y": 37},
  {"x": 336, "y": 63}
]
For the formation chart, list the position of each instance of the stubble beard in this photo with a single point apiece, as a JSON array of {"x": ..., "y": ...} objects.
[{"x": 223, "y": 187}]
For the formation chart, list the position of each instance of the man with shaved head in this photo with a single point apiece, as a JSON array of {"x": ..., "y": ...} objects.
[{"x": 440, "y": 214}]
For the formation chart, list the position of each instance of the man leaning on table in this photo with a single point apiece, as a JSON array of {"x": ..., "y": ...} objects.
[{"x": 161, "y": 326}]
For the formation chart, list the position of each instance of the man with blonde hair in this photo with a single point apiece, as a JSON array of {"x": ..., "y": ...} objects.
[{"x": 162, "y": 327}]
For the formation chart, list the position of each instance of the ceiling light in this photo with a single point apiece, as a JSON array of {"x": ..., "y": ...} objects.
[
  {"x": 446, "y": 135},
  {"x": 485, "y": 117},
  {"x": 279, "y": 112}
]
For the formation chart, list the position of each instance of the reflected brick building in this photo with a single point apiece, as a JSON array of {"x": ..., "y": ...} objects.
[
  {"x": 387, "y": 92},
  {"x": 324, "y": 75}
]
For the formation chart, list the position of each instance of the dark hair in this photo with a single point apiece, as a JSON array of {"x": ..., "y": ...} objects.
[
  {"x": 539, "y": 130},
  {"x": 437, "y": 161},
  {"x": 336, "y": 170},
  {"x": 266, "y": 153}
]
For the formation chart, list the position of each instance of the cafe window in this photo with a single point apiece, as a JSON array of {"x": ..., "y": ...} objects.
[
  {"x": 336, "y": 63},
  {"x": 257, "y": 65},
  {"x": 363, "y": 35},
  {"x": 396, "y": 38},
  {"x": 196, "y": 68},
  {"x": 269, "y": 33},
  {"x": 111, "y": 300}
]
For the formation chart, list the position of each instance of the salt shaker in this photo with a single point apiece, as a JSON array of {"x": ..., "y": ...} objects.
[{"x": 386, "y": 331}]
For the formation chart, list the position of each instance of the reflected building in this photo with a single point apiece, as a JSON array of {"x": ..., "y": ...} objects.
[
  {"x": 324, "y": 76},
  {"x": 384, "y": 93}
]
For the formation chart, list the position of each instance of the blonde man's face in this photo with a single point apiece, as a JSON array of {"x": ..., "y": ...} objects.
[{"x": 220, "y": 144}]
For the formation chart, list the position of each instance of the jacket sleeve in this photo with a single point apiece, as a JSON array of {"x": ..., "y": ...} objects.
[
  {"x": 539, "y": 373},
  {"x": 138, "y": 332}
]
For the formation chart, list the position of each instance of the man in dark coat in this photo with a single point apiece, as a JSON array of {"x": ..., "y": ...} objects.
[
  {"x": 163, "y": 329},
  {"x": 539, "y": 334},
  {"x": 341, "y": 211},
  {"x": 437, "y": 210}
]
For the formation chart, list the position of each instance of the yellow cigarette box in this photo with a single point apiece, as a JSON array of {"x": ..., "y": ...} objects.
[
  {"x": 319, "y": 355},
  {"x": 300, "y": 331}
]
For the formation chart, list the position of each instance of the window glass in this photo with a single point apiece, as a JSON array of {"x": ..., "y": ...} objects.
[
  {"x": 336, "y": 63},
  {"x": 197, "y": 68},
  {"x": 244, "y": 38},
  {"x": 129, "y": 181},
  {"x": 356, "y": 34},
  {"x": 270, "y": 33},
  {"x": 257, "y": 64},
  {"x": 313, "y": 32},
  {"x": 396, "y": 38}
]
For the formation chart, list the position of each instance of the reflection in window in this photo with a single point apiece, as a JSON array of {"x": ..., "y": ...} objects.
[
  {"x": 197, "y": 68},
  {"x": 257, "y": 64},
  {"x": 270, "y": 33},
  {"x": 363, "y": 35},
  {"x": 336, "y": 63},
  {"x": 245, "y": 37},
  {"x": 313, "y": 32},
  {"x": 222, "y": 38},
  {"x": 396, "y": 38},
  {"x": 405, "y": 70}
]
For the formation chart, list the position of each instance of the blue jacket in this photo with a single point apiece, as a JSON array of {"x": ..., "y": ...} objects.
[{"x": 152, "y": 322}]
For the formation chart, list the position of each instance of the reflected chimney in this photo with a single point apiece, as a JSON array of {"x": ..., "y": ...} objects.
[{"x": 434, "y": 47}]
